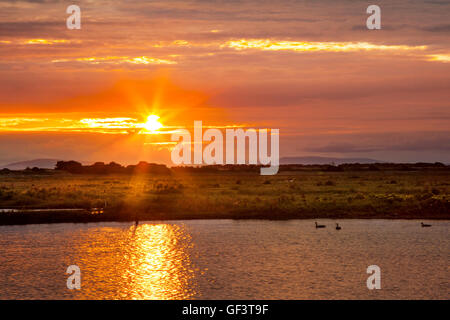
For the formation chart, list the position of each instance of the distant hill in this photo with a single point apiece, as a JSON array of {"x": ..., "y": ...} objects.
[
  {"x": 325, "y": 160},
  {"x": 40, "y": 163}
]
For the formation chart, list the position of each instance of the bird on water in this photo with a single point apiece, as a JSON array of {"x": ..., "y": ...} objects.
[{"x": 319, "y": 225}]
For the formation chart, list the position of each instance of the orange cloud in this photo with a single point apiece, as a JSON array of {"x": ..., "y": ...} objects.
[
  {"x": 118, "y": 60},
  {"x": 439, "y": 57},
  {"x": 121, "y": 109},
  {"x": 274, "y": 45},
  {"x": 49, "y": 41}
]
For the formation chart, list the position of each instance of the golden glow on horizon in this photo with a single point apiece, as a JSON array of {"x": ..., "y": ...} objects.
[
  {"x": 111, "y": 123},
  {"x": 162, "y": 143},
  {"x": 107, "y": 125},
  {"x": 7, "y": 122}
]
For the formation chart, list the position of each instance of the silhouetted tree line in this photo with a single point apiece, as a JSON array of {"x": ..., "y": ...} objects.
[
  {"x": 144, "y": 167},
  {"x": 217, "y": 168},
  {"x": 102, "y": 168},
  {"x": 367, "y": 167},
  {"x": 152, "y": 168}
]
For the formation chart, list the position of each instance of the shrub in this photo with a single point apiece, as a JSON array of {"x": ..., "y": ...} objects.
[{"x": 435, "y": 191}]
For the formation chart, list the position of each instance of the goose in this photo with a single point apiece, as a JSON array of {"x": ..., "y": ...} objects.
[
  {"x": 319, "y": 225},
  {"x": 338, "y": 227},
  {"x": 425, "y": 225}
]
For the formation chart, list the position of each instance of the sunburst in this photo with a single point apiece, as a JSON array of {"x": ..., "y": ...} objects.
[{"x": 152, "y": 124}]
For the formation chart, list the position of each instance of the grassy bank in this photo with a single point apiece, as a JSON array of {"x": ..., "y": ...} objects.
[{"x": 304, "y": 194}]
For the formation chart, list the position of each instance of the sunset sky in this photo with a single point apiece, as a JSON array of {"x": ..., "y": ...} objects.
[{"x": 309, "y": 68}]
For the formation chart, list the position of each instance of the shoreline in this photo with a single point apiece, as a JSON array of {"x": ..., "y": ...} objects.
[{"x": 45, "y": 218}]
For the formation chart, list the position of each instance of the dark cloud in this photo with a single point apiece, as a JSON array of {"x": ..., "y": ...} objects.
[
  {"x": 31, "y": 28},
  {"x": 363, "y": 27},
  {"x": 342, "y": 148},
  {"x": 424, "y": 141},
  {"x": 437, "y": 2},
  {"x": 438, "y": 28}
]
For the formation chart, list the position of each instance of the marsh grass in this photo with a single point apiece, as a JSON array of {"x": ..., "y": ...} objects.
[{"x": 391, "y": 194}]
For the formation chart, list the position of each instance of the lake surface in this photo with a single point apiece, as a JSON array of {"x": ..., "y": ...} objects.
[{"x": 226, "y": 259}]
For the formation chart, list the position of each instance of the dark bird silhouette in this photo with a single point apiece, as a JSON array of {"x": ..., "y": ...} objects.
[
  {"x": 425, "y": 225},
  {"x": 320, "y": 226},
  {"x": 338, "y": 227},
  {"x": 136, "y": 220}
]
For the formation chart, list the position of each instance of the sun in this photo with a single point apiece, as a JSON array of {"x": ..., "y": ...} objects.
[{"x": 152, "y": 123}]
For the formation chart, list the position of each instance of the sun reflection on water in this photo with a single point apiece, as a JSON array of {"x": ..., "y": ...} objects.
[{"x": 156, "y": 263}]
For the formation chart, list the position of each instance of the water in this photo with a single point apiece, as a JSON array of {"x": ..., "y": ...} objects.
[
  {"x": 226, "y": 259},
  {"x": 42, "y": 210},
  {"x": 9, "y": 210}
]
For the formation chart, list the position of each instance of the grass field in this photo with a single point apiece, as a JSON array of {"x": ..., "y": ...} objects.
[{"x": 314, "y": 194}]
